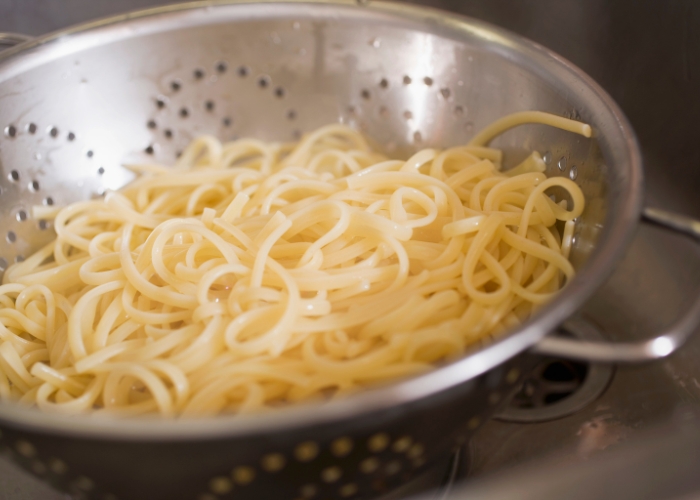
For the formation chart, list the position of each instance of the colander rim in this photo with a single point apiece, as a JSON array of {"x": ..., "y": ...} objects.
[{"x": 612, "y": 244}]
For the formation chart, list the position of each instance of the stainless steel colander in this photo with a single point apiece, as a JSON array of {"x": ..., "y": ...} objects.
[{"x": 76, "y": 105}]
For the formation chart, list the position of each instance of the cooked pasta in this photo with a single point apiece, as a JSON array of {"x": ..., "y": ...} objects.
[{"x": 252, "y": 275}]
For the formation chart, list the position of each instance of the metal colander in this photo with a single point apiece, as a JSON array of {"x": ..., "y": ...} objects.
[{"x": 77, "y": 105}]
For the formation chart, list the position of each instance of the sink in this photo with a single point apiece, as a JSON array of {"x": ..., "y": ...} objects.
[{"x": 647, "y": 55}]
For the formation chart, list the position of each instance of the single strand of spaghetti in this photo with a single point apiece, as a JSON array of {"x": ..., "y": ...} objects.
[
  {"x": 518, "y": 182},
  {"x": 379, "y": 326},
  {"x": 107, "y": 322},
  {"x": 13, "y": 368},
  {"x": 29, "y": 265},
  {"x": 477, "y": 193},
  {"x": 403, "y": 265},
  {"x": 398, "y": 213},
  {"x": 543, "y": 208},
  {"x": 452, "y": 155},
  {"x": 470, "y": 173},
  {"x": 567, "y": 238},
  {"x": 384, "y": 180},
  {"x": 13, "y": 317},
  {"x": 58, "y": 278},
  {"x": 499, "y": 274},
  {"x": 277, "y": 336},
  {"x": 419, "y": 251},
  {"x": 90, "y": 275},
  {"x": 235, "y": 208},
  {"x": 157, "y": 389},
  {"x": 348, "y": 368},
  {"x": 278, "y": 225},
  {"x": 102, "y": 243},
  {"x": 533, "y": 297},
  {"x": 384, "y": 166},
  {"x": 122, "y": 208},
  {"x": 464, "y": 226},
  {"x": 574, "y": 191},
  {"x": 533, "y": 163},
  {"x": 211, "y": 399},
  {"x": 157, "y": 249},
  {"x": 291, "y": 187},
  {"x": 349, "y": 253},
  {"x": 539, "y": 251},
  {"x": 78, "y": 405},
  {"x": 263, "y": 188},
  {"x": 487, "y": 153},
  {"x": 206, "y": 345},
  {"x": 100, "y": 357},
  {"x": 179, "y": 383},
  {"x": 547, "y": 235},
  {"x": 415, "y": 162},
  {"x": 300, "y": 154},
  {"x": 124, "y": 331},
  {"x": 539, "y": 281},
  {"x": 346, "y": 159},
  {"x": 486, "y": 135},
  {"x": 358, "y": 198},
  {"x": 159, "y": 348},
  {"x": 367, "y": 224},
  {"x": 205, "y": 194},
  {"x": 205, "y": 149},
  {"x": 227, "y": 365},
  {"x": 335, "y": 210},
  {"x": 490, "y": 227},
  {"x": 75, "y": 333},
  {"x": 29, "y": 358},
  {"x": 60, "y": 379},
  {"x": 142, "y": 285},
  {"x": 435, "y": 309},
  {"x": 449, "y": 254},
  {"x": 363, "y": 310},
  {"x": 214, "y": 274},
  {"x": 67, "y": 213},
  {"x": 150, "y": 317}
]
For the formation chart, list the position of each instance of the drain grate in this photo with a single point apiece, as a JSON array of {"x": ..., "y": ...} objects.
[{"x": 558, "y": 387}]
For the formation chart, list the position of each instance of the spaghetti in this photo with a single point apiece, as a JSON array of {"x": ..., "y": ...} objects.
[{"x": 258, "y": 274}]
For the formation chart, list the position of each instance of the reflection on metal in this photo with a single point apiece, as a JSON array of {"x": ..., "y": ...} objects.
[
  {"x": 645, "y": 350},
  {"x": 557, "y": 387},
  {"x": 438, "y": 482}
]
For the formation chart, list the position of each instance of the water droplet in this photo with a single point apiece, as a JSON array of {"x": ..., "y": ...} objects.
[
  {"x": 562, "y": 163},
  {"x": 547, "y": 158},
  {"x": 375, "y": 42},
  {"x": 573, "y": 173}
]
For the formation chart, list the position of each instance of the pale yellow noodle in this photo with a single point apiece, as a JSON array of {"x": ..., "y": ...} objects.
[{"x": 254, "y": 274}]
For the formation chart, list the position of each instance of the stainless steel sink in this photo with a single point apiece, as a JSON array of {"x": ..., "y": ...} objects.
[{"x": 647, "y": 55}]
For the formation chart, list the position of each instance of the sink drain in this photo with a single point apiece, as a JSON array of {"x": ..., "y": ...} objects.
[{"x": 559, "y": 387}]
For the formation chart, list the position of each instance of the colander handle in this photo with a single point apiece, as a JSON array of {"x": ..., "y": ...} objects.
[
  {"x": 11, "y": 39},
  {"x": 645, "y": 350}
]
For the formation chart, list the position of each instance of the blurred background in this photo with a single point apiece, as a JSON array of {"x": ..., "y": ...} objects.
[{"x": 637, "y": 437}]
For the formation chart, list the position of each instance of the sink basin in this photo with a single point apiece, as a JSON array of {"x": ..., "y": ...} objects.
[{"x": 647, "y": 55}]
